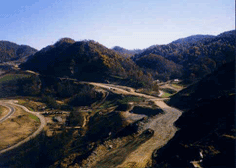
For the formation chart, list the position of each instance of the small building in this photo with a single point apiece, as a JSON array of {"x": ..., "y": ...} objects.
[
  {"x": 176, "y": 80},
  {"x": 57, "y": 119}
]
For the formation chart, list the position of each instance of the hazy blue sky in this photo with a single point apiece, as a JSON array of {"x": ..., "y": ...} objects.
[{"x": 126, "y": 23}]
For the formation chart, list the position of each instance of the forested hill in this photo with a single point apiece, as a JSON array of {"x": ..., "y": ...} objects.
[
  {"x": 10, "y": 51},
  {"x": 85, "y": 60},
  {"x": 159, "y": 66},
  {"x": 197, "y": 57}
]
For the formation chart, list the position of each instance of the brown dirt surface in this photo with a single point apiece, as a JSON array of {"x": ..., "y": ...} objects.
[
  {"x": 16, "y": 128},
  {"x": 3, "y": 111}
]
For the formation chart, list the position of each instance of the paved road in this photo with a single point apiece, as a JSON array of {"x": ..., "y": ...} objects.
[
  {"x": 141, "y": 155},
  {"x": 11, "y": 105}
]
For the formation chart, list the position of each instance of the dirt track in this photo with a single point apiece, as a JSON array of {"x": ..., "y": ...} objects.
[
  {"x": 11, "y": 111},
  {"x": 138, "y": 153}
]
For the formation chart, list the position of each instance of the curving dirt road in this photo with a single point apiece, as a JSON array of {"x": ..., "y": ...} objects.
[
  {"x": 139, "y": 152},
  {"x": 11, "y": 111},
  {"x": 11, "y": 105},
  {"x": 124, "y": 90}
]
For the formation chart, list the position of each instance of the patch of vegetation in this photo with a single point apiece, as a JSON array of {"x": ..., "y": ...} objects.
[
  {"x": 9, "y": 77},
  {"x": 128, "y": 99},
  {"x": 176, "y": 86},
  {"x": 164, "y": 95},
  {"x": 1, "y": 109},
  {"x": 153, "y": 91},
  {"x": 123, "y": 103},
  {"x": 34, "y": 117},
  {"x": 168, "y": 90},
  {"x": 107, "y": 104}
]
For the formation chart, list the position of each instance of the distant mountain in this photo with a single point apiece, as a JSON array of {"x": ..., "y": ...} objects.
[
  {"x": 207, "y": 124},
  {"x": 85, "y": 60},
  {"x": 161, "y": 65},
  {"x": 126, "y": 52},
  {"x": 10, "y": 51},
  {"x": 192, "y": 39},
  {"x": 198, "y": 55}
]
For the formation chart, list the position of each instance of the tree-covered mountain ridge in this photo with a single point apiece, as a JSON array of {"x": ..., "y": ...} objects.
[
  {"x": 189, "y": 58},
  {"x": 11, "y": 51},
  {"x": 192, "y": 39},
  {"x": 198, "y": 55}
]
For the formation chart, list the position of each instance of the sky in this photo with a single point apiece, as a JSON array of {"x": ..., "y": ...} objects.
[{"x": 132, "y": 24}]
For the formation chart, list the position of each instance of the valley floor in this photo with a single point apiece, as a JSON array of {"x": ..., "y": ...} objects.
[
  {"x": 139, "y": 152},
  {"x": 135, "y": 153}
]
